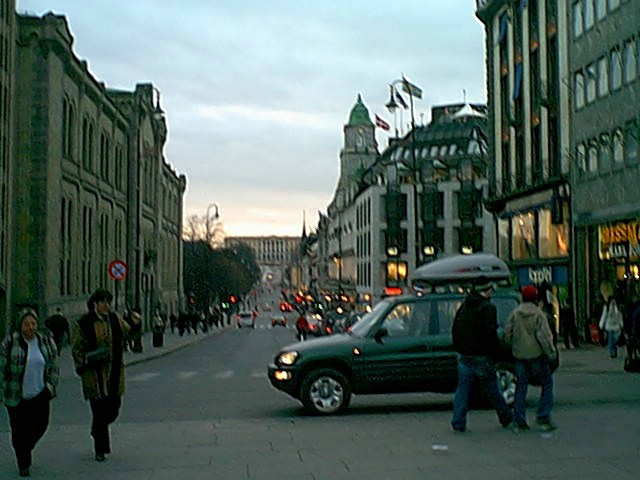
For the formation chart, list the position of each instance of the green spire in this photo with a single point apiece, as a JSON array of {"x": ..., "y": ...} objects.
[{"x": 359, "y": 114}]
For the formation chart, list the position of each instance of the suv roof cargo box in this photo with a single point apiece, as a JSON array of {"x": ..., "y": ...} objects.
[{"x": 461, "y": 269}]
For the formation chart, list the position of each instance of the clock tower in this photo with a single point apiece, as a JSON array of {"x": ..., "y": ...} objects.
[{"x": 360, "y": 148}]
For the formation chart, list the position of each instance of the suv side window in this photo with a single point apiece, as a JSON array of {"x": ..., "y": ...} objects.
[{"x": 397, "y": 321}]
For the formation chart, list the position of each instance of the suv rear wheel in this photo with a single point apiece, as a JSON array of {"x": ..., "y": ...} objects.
[{"x": 325, "y": 392}]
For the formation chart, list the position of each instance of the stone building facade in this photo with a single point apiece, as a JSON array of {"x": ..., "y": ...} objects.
[
  {"x": 90, "y": 183},
  {"x": 7, "y": 56},
  {"x": 604, "y": 70}
]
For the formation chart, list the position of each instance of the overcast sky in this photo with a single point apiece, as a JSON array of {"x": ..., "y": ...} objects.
[{"x": 257, "y": 91}]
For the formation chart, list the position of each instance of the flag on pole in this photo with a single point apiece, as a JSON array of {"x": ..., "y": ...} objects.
[
  {"x": 411, "y": 89},
  {"x": 400, "y": 100},
  {"x": 380, "y": 123}
]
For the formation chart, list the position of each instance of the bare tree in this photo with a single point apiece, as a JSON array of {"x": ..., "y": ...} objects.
[{"x": 207, "y": 227}]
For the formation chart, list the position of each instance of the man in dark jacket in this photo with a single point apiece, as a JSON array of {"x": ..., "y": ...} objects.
[{"x": 475, "y": 338}]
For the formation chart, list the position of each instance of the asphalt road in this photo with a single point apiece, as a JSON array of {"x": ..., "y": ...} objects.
[{"x": 208, "y": 411}]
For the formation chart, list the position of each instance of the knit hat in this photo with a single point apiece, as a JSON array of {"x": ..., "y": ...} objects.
[
  {"x": 529, "y": 294},
  {"x": 483, "y": 284}
]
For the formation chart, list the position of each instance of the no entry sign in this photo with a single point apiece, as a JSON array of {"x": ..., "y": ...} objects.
[{"x": 117, "y": 270}]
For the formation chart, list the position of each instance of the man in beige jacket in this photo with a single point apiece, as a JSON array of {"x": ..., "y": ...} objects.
[{"x": 527, "y": 331}]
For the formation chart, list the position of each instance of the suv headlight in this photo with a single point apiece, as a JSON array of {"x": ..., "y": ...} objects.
[{"x": 287, "y": 358}]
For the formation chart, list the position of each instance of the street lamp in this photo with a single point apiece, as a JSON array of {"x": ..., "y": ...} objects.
[{"x": 395, "y": 101}]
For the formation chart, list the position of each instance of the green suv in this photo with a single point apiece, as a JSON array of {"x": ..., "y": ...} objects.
[{"x": 403, "y": 345}]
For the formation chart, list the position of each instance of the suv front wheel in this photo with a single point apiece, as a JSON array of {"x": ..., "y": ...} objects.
[{"x": 325, "y": 392}]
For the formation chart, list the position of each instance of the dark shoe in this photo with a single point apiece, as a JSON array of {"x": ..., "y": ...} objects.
[
  {"x": 546, "y": 426},
  {"x": 520, "y": 427},
  {"x": 458, "y": 430},
  {"x": 100, "y": 457},
  {"x": 24, "y": 472}
]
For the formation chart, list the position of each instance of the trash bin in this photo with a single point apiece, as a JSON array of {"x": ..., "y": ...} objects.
[{"x": 158, "y": 337}]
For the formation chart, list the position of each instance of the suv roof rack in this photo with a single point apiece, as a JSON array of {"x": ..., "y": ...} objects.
[{"x": 460, "y": 269}]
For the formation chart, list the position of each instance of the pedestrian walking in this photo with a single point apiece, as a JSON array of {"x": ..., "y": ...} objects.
[
  {"x": 568, "y": 324},
  {"x": 134, "y": 320},
  {"x": 173, "y": 322},
  {"x": 611, "y": 322},
  {"x": 29, "y": 375},
  {"x": 527, "y": 331},
  {"x": 98, "y": 357},
  {"x": 475, "y": 338},
  {"x": 59, "y": 328}
]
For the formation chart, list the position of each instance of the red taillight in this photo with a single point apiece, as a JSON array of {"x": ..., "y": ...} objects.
[{"x": 328, "y": 329}]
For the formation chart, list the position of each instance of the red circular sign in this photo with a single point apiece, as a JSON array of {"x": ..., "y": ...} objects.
[{"x": 117, "y": 270}]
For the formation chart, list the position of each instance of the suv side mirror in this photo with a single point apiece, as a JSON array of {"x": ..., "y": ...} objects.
[{"x": 380, "y": 334}]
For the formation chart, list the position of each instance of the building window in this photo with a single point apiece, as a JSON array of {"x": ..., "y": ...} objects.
[
  {"x": 578, "y": 99},
  {"x": 618, "y": 147},
  {"x": 601, "y": 9},
  {"x": 631, "y": 143},
  {"x": 68, "y": 122},
  {"x": 554, "y": 239},
  {"x": 591, "y": 83},
  {"x": 616, "y": 69},
  {"x": 523, "y": 240},
  {"x": 592, "y": 157},
  {"x": 581, "y": 158},
  {"x": 630, "y": 62},
  {"x": 603, "y": 76},
  {"x": 588, "y": 14},
  {"x": 578, "y": 19},
  {"x": 604, "y": 158}
]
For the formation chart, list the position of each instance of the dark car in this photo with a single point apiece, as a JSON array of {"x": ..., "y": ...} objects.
[{"x": 403, "y": 345}]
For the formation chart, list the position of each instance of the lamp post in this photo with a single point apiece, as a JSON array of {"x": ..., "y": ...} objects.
[{"x": 396, "y": 101}]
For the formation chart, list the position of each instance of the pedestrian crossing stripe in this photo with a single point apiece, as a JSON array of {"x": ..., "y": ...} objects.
[
  {"x": 186, "y": 375},
  {"x": 225, "y": 374},
  {"x": 143, "y": 377}
]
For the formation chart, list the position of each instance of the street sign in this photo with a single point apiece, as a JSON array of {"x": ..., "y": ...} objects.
[{"x": 117, "y": 270}]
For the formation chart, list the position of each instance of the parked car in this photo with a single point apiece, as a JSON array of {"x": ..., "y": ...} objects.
[
  {"x": 246, "y": 319},
  {"x": 403, "y": 345}
]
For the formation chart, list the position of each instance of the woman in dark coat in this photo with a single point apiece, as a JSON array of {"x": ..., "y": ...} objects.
[{"x": 97, "y": 354}]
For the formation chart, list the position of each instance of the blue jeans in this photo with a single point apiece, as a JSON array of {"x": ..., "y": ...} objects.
[
  {"x": 525, "y": 370},
  {"x": 612, "y": 342},
  {"x": 482, "y": 368}
]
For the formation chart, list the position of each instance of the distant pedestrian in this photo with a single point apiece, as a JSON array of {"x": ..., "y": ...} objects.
[
  {"x": 475, "y": 338},
  {"x": 173, "y": 322},
  {"x": 611, "y": 322},
  {"x": 527, "y": 331},
  {"x": 98, "y": 357},
  {"x": 59, "y": 328},
  {"x": 568, "y": 324},
  {"x": 29, "y": 375},
  {"x": 135, "y": 333}
]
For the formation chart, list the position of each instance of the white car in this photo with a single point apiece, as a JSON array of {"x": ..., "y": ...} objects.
[{"x": 246, "y": 319}]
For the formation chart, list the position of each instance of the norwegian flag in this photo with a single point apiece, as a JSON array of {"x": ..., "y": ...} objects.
[{"x": 380, "y": 123}]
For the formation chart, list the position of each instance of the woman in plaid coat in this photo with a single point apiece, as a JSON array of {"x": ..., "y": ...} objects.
[{"x": 29, "y": 376}]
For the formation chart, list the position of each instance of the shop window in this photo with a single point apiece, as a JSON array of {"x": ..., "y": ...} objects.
[
  {"x": 523, "y": 240},
  {"x": 503, "y": 239},
  {"x": 603, "y": 76},
  {"x": 578, "y": 90},
  {"x": 578, "y": 19},
  {"x": 554, "y": 238}
]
